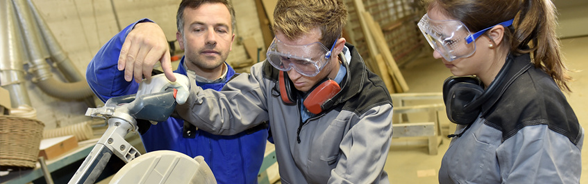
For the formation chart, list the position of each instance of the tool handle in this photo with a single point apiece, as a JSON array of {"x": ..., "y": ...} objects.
[{"x": 154, "y": 107}]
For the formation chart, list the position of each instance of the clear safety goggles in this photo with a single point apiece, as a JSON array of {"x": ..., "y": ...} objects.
[
  {"x": 451, "y": 38},
  {"x": 307, "y": 60}
]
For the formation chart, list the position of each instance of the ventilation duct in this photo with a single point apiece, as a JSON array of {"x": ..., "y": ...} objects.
[
  {"x": 12, "y": 57},
  {"x": 40, "y": 46}
]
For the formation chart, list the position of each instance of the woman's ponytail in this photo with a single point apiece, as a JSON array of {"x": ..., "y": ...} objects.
[{"x": 534, "y": 33}]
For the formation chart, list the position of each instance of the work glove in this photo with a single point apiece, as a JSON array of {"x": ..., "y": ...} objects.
[{"x": 159, "y": 83}]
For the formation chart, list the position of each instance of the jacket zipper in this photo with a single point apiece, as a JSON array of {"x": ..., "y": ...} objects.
[{"x": 303, "y": 123}]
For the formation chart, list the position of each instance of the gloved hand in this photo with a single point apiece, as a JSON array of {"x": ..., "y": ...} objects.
[{"x": 158, "y": 83}]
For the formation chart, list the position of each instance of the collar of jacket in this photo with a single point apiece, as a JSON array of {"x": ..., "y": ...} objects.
[
  {"x": 356, "y": 75},
  {"x": 513, "y": 68},
  {"x": 351, "y": 85}
]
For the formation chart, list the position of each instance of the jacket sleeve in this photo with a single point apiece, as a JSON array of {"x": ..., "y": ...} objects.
[
  {"x": 536, "y": 154},
  {"x": 365, "y": 148},
  {"x": 102, "y": 74},
  {"x": 240, "y": 105}
]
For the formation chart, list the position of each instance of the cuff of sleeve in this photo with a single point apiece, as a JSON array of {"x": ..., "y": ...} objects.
[
  {"x": 132, "y": 26},
  {"x": 142, "y": 20}
]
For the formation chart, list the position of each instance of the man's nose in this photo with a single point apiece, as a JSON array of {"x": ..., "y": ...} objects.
[
  {"x": 211, "y": 36},
  {"x": 293, "y": 74}
]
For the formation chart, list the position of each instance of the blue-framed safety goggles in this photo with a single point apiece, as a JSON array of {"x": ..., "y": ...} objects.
[{"x": 451, "y": 38}]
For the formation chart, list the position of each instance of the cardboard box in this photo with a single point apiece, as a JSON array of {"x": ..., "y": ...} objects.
[
  {"x": 54, "y": 147},
  {"x": 5, "y": 104}
]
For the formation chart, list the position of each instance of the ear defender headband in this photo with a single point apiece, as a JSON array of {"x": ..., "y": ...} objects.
[{"x": 319, "y": 95}]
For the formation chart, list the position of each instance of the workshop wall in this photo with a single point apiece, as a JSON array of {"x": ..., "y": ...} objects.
[
  {"x": 83, "y": 26},
  {"x": 572, "y": 18}
]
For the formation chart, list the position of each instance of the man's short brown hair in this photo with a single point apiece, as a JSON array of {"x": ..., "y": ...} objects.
[
  {"x": 296, "y": 17},
  {"x": 196, "y": 4}
]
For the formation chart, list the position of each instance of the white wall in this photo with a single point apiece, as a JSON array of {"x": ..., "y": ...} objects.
[{"x": 573, "y": 18}]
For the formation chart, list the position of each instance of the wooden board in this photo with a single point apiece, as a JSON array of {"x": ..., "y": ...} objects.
[
  {"x": 5, "y": 104},
  {"x": 270, "y": 6},
  {"x": 376, "y": 63},
  {"x": 424, "y": 129},
  {"x": 251, "y": 48},
  {"x": 54, "y": 147},
  {"x": 384, "y": 72},
  {"x": 382, "y": 46},
  {"x": 264, "y": 23},
  {"x": 398, "y": 18}
]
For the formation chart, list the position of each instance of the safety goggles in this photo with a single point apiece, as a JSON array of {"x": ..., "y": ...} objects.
[
  {"x": 451, "y": 38},
  {"x": 307, "y": 60}
]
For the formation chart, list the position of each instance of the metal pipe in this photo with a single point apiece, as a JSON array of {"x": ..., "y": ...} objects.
[
  {"x": 12, "y": 82},
  {"x": 61, "y": 60},
  {"x": 12, "y": 56},
  {"x": 31, "y": 28},
  {"x": 45, "y": 169},
  {"x": 38, "y": 65},
  {"x": 66, "y": 91}
]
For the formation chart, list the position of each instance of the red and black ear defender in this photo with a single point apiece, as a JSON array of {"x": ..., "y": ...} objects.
[{"x": 318, "y": 95}]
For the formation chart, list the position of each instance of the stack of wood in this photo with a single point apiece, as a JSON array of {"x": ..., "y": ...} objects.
[
  {"x": 389, "y": 46},
  {"x": 254, "y": 35},
  {"x": 381, "y": 61},
  {"x": 255, "y": 54}
]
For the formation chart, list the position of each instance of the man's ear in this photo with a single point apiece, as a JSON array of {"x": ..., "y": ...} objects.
[
  {"x": 339, "y": 46},
  {"x": 496, "y": 34},
  {"x": 180, "y": 39}
]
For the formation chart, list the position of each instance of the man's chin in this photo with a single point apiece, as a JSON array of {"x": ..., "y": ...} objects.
[{"x": 209, "y": 64}]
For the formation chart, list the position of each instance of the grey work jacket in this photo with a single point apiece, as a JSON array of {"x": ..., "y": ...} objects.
[
  {"x": 526, "y": 133},
  {"x": 347, "y": 143}
]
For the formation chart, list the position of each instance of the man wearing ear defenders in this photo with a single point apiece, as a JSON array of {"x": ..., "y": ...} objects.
[{"x": 330, "y": 117}]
